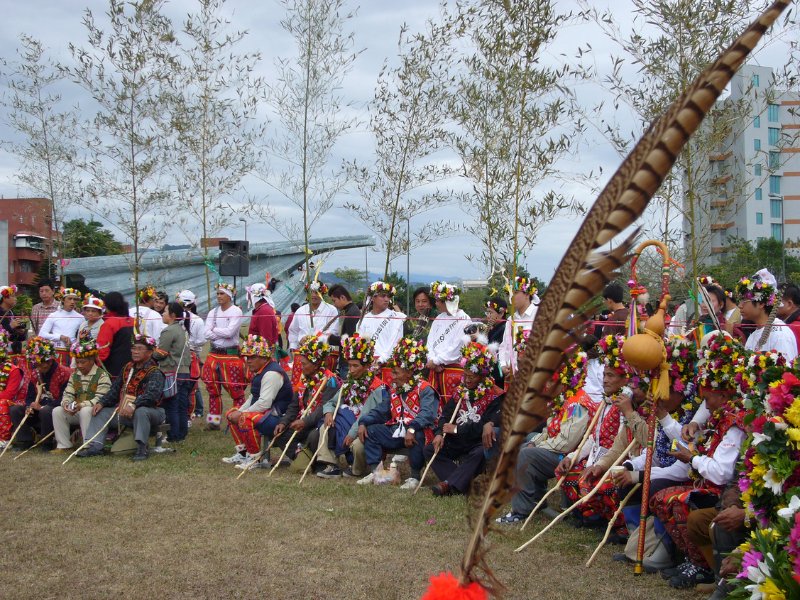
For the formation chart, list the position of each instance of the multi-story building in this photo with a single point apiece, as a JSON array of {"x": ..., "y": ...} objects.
[
  {"x": 26, "y": 239},
  {"x": 748, "y": 187}
]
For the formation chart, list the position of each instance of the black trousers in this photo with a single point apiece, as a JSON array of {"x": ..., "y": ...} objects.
[
  {"x": 456, "y": 465},
  {"x": 41, "y": 420}
]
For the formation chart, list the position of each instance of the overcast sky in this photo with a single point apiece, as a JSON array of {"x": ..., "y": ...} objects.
[{"x": 377, "y": 25}]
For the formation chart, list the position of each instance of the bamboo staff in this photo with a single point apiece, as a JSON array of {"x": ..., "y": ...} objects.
[
  {"x": 28, "y": 412},
  {"x": 611, "y": 523},
  {"x": 580, "y": 501},
  {"x": 435, "y": 454},
  {"x": 35, "y": 445},
  {"x": 258, "y": 457},
  {"x": 572, "y": 462},
  {"x": 302, "y": 415},
  {"x": 323, "y": 439}
]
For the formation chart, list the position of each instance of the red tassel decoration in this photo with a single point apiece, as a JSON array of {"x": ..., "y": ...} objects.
[{"x": 445, "y": 586}]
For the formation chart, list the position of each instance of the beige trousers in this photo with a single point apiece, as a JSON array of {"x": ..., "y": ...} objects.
[
  {"x": 62, "y": 421},
  {"x": 326, "y": 455}
]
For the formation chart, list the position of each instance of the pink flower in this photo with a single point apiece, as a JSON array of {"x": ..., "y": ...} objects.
[
  {"x": 781, "y": 396},
  {"x": 751, "y": 558}
]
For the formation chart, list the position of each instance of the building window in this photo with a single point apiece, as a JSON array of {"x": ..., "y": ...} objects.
[
  {"x": 775, "y": 208},
  {"x": 774, "y": 136},
  {"x": 758, "y": 194},
  {"x": 759, "y": 218},
  {"x": 774, "y": 185},
  {"x": 755, "y": 80},
  {"x": 773, "y": 113},
  {"x": 757, "y": 145},
  {"x": 756, "y": 122},
  {"x": 774, "y": 160},
  {"x": 777, "y": 232},
  {"x": 757, "y": 169}
]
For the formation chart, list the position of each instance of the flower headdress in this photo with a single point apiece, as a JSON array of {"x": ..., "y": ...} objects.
[
  {"x": 67, "y": 292},
  {"x": 758, "y": 288},
  {"x": 316, "y": 286},
  {"x": 144, "y": 339},
  {"x": 358, "y": 348},
  {"x": 227, "y": 288},
  {"x": 495, "y": 306},
  {"x": 8, "y": 290},
  {"x": 477, "y": 358},
  {"x": 707, "y": 280},
  {"x": 382, "y": 287},
  {"x": 410, "y": 354},
  {"x": 441, "y": 290},
  {"x": 84, "y": 347},
  {"x": 147, "y": 293},
  {"x": 258, "y": 292},
  {"x": 524, "y": 285},
  {"x": 755, "y": 369},
  {"x": 682, "y": 359},
  {"x": 572, "y": 374},
  {"x": 255, "y": 345},
  {"x": 611, "y": 353},
  {"x": 90, "y": 301},
  {"x": 717, "y": 360},
  {"x": 314, "y": 348},
  {"x": 5, "y": 345},
  {"x": 39, "y": 350}
]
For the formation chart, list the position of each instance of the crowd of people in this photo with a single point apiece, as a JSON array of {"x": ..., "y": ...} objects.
[{"x": 345, "y": 390}]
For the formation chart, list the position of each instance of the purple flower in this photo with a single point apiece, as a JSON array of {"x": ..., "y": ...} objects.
[{"x": 751, "y": 558}]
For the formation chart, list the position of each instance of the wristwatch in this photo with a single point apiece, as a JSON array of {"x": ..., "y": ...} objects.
[{"x": 411, "y": 430}]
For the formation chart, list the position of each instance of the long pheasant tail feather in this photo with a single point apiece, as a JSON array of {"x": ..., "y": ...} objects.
[{"x": 582, "y": 275}]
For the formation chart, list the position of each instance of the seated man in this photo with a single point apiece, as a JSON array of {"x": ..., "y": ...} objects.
[
  {"x": 405, "y": 416},
  {"x": 460, "y": 445},
  {"x": 12, "y": 388},
  {"x": 138, "y": 391},
  {"x": 88, "y": 384},
  {"x": 360, "y": 393},
  {"x": 270, "y": 394},
  {"x": 317, "y": 386},
  {"x": 565, "y": 429},
  {"x": 52, "y": 377}
]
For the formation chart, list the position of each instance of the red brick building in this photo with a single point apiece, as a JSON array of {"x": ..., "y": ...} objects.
[{"x": 26, "y": 239}]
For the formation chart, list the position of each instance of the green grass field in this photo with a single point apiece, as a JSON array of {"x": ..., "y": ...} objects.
[{"x": 181, "y": 526}]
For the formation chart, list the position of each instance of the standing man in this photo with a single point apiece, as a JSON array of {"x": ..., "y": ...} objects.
[
  {"x": 756, "y": 299},
  {"x": 223, "y": 366},
  {"x": 316, "y": 317},
  {"x": 142, "y": 383},
  {"x": 381, "y": 324},
  {"x": 348, "y": 322},
  {"x": 62, "y": 326},
  {"x": 518, "y": 327},
  {"x": 445, "y": 340},
  {"x": 148, "y": 320},
  {"x": 419, "y": 325},
  {"x": 263, "y": 321},
  {"x": 46, "y": 307},
  {"x": 13, "y": 326}
]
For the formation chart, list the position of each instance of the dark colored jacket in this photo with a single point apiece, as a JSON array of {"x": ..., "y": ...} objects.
[
  {"x": 55, "y": 381},
  {"x": 148, "y": 392},
  {"x": 425, "y": 419},
  {"x": 16, "y": 336},
  {"x": 469, "y": 434},
  {"x": 349, "y": 320},
  {"x": 285, "y": 394},
  {"x": 311, "y": 419}
]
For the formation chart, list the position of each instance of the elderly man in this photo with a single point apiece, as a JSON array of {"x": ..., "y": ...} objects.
[
  {"x": 270, "y": 394},
  {"x": 52, "y": 377},
  {"x": 62, "y": 326},
  {"x": 405, "y": 416},
  {"x": 445, "y": 339},
  {"x": 85, "y": 388},
  {"x": 136, "y": 396}
]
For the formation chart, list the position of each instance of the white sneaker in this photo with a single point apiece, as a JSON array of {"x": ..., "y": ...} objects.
[
  {"x": 246, "y": 463},
  {"x": 399, "y": 458},
  {"x": 235, "y": 459},
  {"x": 410, "y": 484},
  {"x": 366, "y": 480},
  {"x": 3, "y": 444}
]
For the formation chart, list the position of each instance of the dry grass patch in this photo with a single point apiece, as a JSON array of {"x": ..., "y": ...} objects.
[{"x": 181, "y": 526}]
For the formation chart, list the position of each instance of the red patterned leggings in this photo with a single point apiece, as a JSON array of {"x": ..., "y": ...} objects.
[{"x": 223, "y": 371}]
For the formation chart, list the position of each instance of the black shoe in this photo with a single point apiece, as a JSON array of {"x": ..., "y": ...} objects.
[
  {"x": 621, "y": 557},
  {"x": 617, "y": 538},
  {"x": 692, "y": 576},
  {"x": 442, "y": 489},
  {"x": 141, "y": 453},
  {"x": 668, "y": 574},
  {"x": 90, "y": 451}
]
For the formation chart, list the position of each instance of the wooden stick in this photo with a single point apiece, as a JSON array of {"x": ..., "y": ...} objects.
[
  {"x": 652, "y": 432},
  {"x": 28, "y": 412},
  {"x": 572, "y": 462},
  {"x": 323, "y": 439},
  {"x": 611, "y": 523},
  {"x": 258, "y": 457},
  {"x": 435, "y": 454},
  {"x": 91, "y": 439},
  {"x": 35, "y": 445},
  {"x": 581, "y": 500},
  {"x": 302, "y": 415}
]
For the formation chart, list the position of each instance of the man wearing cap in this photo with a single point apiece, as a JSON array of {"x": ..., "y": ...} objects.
[
  {"x": 406, "y": 414},
  {"x": 224, "y": 367},
  {"x": 518, "y": 327},
  {"x": 85, "y": 387},
  {"x": 445, "y": 340},
  {"x": 316, "y": 387},
  {"x": 756, "y": 299},
  {"x": 263, "y": 322},
  {"x": 12, "y": 388},
  {"x": 140, "y": 386},
  {"x": 460, "y": 444},
  {"x": 270, "y": 394},
  {"x": 52, "y": 377},
  {"x": 92, "y": 310},
  {"x": 360, "y": 393},
  {"x": 382, "y": 324},
  {"x": 62, "y": 326}
]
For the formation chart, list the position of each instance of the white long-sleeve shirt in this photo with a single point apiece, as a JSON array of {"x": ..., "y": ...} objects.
[
  {"x": 677, "y": 471},
  {"x": 222, "y": 326},
  {"x": 720, "y": 467},
  {"x": 61, "y": 322},
  {"x": 506, "y": 355},
  {"x": 594, "y": 379},
  {"x": 446, "y": 338},
  {"x": 197, "y": 333},
  {"x": 781, "y": 339},
  {"x": 271, "y": 384},
  {"x": 301, "y": 323},
  {"x": 385, "y": 329},
  {"x": 150, "y": 320}
]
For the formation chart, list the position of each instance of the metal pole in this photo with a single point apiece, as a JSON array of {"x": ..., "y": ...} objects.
[{"x": 783, "y": 242}]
